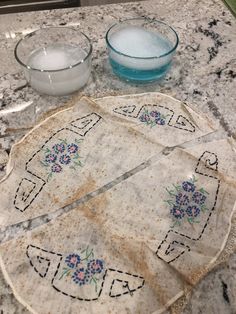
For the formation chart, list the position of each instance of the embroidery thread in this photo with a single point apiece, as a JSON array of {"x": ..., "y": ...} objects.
[
  {"x": 153, "y": 118},
  {"x": 186, "y": 201},
  {"x": 60, "y": 155},
  {"x": 84, "y": 268}
]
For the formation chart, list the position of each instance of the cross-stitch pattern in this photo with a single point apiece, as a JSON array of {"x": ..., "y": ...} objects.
[
  {"x": 186, "y": 201},
  {"x": 61, "y": 155},
  {"x": 152, "y": 118},
  {"x": 84, "y": 268},
  {"x": 74, "y": 272},
  {"x": 207, "y": 166},
  {"x": 128, "y": 193}
]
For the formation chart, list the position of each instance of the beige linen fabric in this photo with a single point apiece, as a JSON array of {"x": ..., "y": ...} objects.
[
  {"x": 136, "y": 247},
  {"x": 80, "y": 149},
  {"x": 182, "y": 123}
]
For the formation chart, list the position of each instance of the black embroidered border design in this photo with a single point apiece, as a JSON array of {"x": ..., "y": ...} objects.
[
  {"x": 178, "y": 126},
  {"x": 130, "y": 291},
  {"x": 58, "y": 267},
  {"x": 128, "y": 113},
  {"x": 25, "y": 197},
  {"x": 72, "y": 296},
  {"x": 209, "y": 216},
  {"x": 43, "y": 182},
  {"x": 140, "y": 110},
  {"x": 40, "y": 257},
  {"x": 168, "y": 250}
]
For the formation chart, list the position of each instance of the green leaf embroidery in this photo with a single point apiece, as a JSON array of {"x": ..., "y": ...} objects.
[
  {"x": 64, "y": 141},
  {"x": 49, "y": 176},
  {"x": 94, "y": 280},
  {"x": 44, "y": 164},
  {"x": 170, "y": 202},
  {"x": 171, "y": 192},
  {"x": 66, "y": 272},
  {"x": 177, "y": 187}
]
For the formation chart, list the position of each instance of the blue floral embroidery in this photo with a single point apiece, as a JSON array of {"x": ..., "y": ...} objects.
[
  {"x": 81, "y": 276},
  {"x": 182, "y": 199},
  {"x": 72, "y": 260},
  {"x": 59, "y": 148},
  {"x": 65, "y": 159},
  {"x": 152, "y": 118},
  {"x": 62, "y": 154},
  {"x": 95, "y": 266},
  {"x": 83, "y": 268},
  {"x": 177, "y": 212},
  {"x": 186, "y": 201},
  {"x": 193, "y": 211},
  {"x": 50, "y": 158},
  {"x": 56, "y": 168},
  {"x": 72, "y": 148},
  {"x": 188, "y": 186},
  {"x": 199, "y": 198}
]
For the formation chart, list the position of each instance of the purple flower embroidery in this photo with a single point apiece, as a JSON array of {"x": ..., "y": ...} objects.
[
  {"x": 182, "y": 199},
  {"x": 186, "y": 201},
  {"x": 50, "y": 158},
  {"x": 61, "y": 154},
  {"x": 152, "y": 118},
  {"x": 188, "y": 186},
  {"x": 58, "y": 148},
  {"x": 155, "y": 114},
  {"x": 199, "y": 198},
  {"x": 193, "y": 211},
  {"x": 144, "y": 117},
  {"x": 72, "y": 260},
  {"x": 83, "y": 268},
  {"x": 160, "y": 121},
  {"x": 177, "y": 212},
  {"x": 72, "y": 148},
  {"x": 95, "y": 266},
  {"x": 81, "y": 276},
  {"x": 65, "y": 159},
  {"x": 56, "y": 168}
]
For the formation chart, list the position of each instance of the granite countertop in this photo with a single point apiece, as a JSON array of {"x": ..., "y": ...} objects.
[{"x": 203, "y": 74}]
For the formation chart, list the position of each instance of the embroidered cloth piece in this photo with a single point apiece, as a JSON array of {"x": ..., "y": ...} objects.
[
  {"x": 81, "y": 149},
  {"x": 139, "y": 245}
]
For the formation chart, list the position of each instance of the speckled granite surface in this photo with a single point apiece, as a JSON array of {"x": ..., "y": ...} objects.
[{"x": 204, "y": 74}]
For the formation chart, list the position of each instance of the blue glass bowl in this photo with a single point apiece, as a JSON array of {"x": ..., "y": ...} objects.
[{"x": 141, "y": 49}]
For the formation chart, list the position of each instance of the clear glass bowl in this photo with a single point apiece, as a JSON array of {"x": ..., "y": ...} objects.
[
  {"x": 56, "y": 60},
  {"x": 141, "y": 49}
]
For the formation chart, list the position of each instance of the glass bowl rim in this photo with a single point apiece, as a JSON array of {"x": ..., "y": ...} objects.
[
  {"x": 149, "y": 20},
  {"x": 56, "y": 70}
]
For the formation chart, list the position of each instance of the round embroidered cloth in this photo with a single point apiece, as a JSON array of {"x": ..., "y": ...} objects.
[{"x": 158, "y": 215}]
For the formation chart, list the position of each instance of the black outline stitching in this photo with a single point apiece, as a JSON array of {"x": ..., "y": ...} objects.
[
  {"x": 179, "y": 123},
  {"x": 136, "y": 116},
  {"x": 209, "y": 216},
  {"x": 43, "y": 182},
  {"x": 85, "y": 123},
  {"x": 39, "y": 258},
  {"x": 25, "y": 197},
  {"x": 128, "y": 112},
  {"x": 31, "y": 263},
  {"x": 150, "y": 105},
  {"x": 130, "y": 291},
  {"x": 93, "y": 125},
  {"x": 58, "y": 267},
  {"x": 176, "y": 242},
  {"x": 72, "y": 296}
]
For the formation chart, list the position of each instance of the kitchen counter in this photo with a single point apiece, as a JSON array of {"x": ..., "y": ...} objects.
[{"x": 203, "y": 74}]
